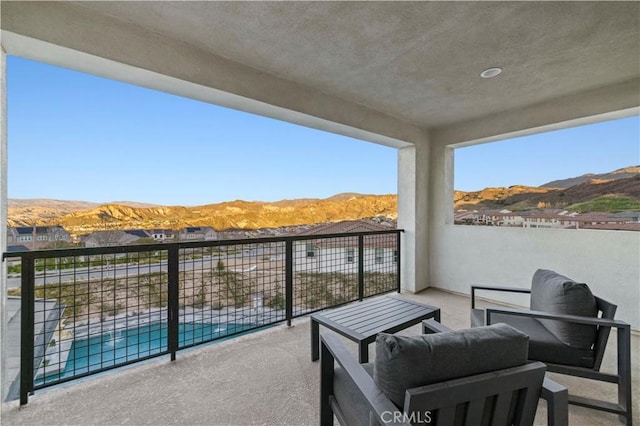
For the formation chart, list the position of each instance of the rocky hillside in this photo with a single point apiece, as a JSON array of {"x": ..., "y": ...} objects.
[
  {"x": 596, "y": 194},
  {"x": 624, "y": 173},
  {"x": 234, "y": 214},
  {"x": 604, "y": 195},
  {"x": 489, "y": 196},
  {"x": 27, "y": 211}
]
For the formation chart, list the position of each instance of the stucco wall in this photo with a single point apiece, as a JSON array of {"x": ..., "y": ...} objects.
[
  {"x": 461, "y": 255},
  {"x": 608, "y": 261}
]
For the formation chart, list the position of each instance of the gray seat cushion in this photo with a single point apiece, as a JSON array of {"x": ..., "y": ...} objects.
[
  {"x": 555, "y": 293},
  {"x": 543, "y": 345},
  {"x": 405, "y": 362},
  {"x": 349, "y": 398}
]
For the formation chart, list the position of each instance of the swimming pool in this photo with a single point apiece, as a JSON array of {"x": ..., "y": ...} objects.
[{"x": 126, "y": 345}]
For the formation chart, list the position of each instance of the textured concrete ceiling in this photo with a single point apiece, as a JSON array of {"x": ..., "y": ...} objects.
[
  {"x": 417, "y": 61},
  {"x": 388, "y": 69}
]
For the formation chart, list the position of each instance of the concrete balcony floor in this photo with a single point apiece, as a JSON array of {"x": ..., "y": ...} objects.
[{"x": 264, "y": 378}]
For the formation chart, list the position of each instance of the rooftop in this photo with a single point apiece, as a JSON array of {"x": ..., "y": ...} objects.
[{"x": 262, "y": 378}]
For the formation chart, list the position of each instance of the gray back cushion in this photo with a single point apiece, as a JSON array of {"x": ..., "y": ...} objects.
[
  {"x": 555, "y": 293},
  {"x": 405, "y": 362}
]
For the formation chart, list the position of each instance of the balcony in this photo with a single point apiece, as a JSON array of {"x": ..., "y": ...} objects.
[
  {"x": 404, "y": 75},
  {"x": 261, "y": 378}
]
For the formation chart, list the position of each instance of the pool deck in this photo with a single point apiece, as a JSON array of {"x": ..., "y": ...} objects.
[{"x": 263, "y": 378}]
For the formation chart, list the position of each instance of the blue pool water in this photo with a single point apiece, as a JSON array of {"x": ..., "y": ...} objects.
[{"x": 126, "y": 345}]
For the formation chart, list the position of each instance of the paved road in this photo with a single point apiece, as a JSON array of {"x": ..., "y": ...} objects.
[{"x": 116, "y": 271}]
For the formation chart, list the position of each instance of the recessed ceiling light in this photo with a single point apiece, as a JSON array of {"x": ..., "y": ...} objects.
[{"x": 490, "y": 72}]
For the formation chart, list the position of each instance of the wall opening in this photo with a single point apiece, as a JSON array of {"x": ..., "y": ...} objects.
[{"x": 585, "y": 177}]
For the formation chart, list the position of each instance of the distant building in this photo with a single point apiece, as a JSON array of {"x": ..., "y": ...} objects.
[
  {"x": 550, "y": 219},
  {"x": 599, "y": 218},
  {"x": 198, "y": 233},
  {"x": 162, "y": 235},
  {"x": 629, "y": 216},
  {"x": 493, "y": 217},
  {"x": 114, "y": 238},
  {"x": 340, "y": 254},
  {"x": 632, "y": 226},
  {"x": 36, "y": 237},
  {"x": 464, "y": 217}
]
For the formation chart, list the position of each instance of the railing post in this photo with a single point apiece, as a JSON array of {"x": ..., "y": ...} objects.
[
  {"x": 398, "y": 264},
  {"x": 173, "y": 262},
  {"x": 27, "y": 327},
  {"x": 360, "y": 267},
  {"x": 288, "y": 279}
]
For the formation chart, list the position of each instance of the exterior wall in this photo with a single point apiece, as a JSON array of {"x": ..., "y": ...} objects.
[
  {"x": 460, "y": 256},
  {"x": 607, "y": 261}
]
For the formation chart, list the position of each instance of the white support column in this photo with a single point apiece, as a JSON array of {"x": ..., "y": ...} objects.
[
  {"x": 413, "y": 217},
  {"x": 3, "y": 219},
  {"x": 441, "y": 172}
]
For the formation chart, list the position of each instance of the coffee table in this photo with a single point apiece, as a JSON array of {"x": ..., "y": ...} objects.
[{"x": 362, "y": 321}]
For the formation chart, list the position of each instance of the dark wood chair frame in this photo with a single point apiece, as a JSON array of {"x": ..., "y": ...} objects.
[
  {"x": 441, "y": 399},
  {"x": 604, "y": 323}
]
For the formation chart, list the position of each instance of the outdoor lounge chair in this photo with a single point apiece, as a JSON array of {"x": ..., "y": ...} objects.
[
  {"x": 568, "y": 329},
  {"x": 474, "y": 376}
]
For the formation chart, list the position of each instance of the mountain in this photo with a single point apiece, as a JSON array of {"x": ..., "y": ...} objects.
[
  {"x": 25, "y": 212},
  {"x": 230, "y": 215},
  {"x": 479, "y": 199},
  {"x": 622, "y": 192},
  {"x": 624, "y": 173},
  {"x": 603, "y": 195},
  {"x": 29, "y": 211}
]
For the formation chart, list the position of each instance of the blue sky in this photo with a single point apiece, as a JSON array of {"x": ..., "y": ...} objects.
[
  {"x": 75, "y": 136},
  {"x": 537, "y": 159}
]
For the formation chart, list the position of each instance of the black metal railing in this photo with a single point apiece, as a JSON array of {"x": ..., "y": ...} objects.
[{"x": 87, "y": 310}]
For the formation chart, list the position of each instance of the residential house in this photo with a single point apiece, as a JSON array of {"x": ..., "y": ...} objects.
[
  {"x": 114, "y": 238},
  {"x": 341, "y": 254},
  {"x": 630, "y": 226},
  {"x": 547, "y": 220},
  {"x": 162, "y": 235},
  {"x": 36, "y": 237},
  {"x": 463, "y": 217},
  {"x": 600, "y": 220},
  {"x": 197, "y": 233},
  {"x": 629, "y": 216},
  {"x": 492, "y": 217},
  {"x": 508, "y": 218}
]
